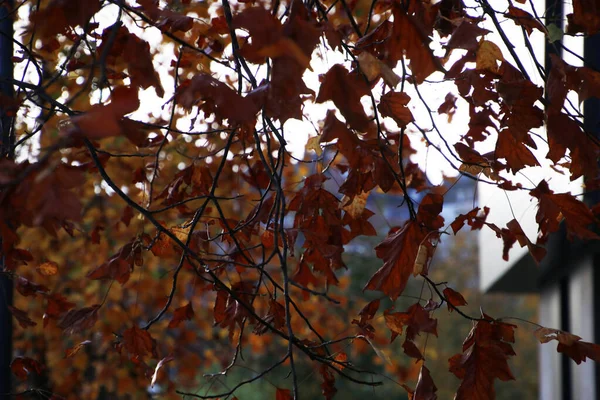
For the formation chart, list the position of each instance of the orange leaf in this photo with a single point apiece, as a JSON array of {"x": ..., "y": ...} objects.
[
  {"x": 454, "y": 299},
  {"x": 71, "y": 351},
  {"x": 49, "y": 268}
]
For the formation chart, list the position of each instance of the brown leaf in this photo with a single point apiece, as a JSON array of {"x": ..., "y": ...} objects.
[
  {"x": 514, "y": 151},
  {"x": 400, "y": 248},
  {"x": 524, "y": 19},
  {"x": 138, "y": 342},
  {"x": 28, "y": 288},
  {"x": 214, "y": 96},
  {"x": 393, "y": 104},
  {"x": 21, "y": 317},
  {"x": 103, "y": 121},
  {"x": 416, "y": 320},
  {"x": 554, "y": 207},
  {"x": 488, "y": 56},
  {"x": 120, "y": 266},
  {"x": 454, "y": 299},
  {"x": 570, "y": 345},
  {"x": 181, "y": 314},
  {"x": 79, "y": 320},
  {"x": 484, "y": 359},
  {"x": 425, "y": 389},
  {"x": 346, "y": 89}
]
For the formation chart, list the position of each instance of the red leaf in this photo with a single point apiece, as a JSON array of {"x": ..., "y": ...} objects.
[
  {"x": 23, "y": 366},
  {"x": 181, "y": 314},
  {"x": 411, "y": 350},
  {"x": 454, "y": 299},
  {"x": 138, "y": 342}
]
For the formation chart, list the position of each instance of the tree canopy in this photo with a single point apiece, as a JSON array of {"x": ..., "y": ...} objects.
[{"x": 157, "y": 218}]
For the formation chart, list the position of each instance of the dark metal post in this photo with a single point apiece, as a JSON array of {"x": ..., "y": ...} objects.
[{"x": 6, "y": 288}]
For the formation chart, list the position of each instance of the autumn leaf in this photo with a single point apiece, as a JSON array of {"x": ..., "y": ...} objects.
[
  {"x": 346, "y": 89},
  {"x": 453, "y": 298},
  {"x": 71, "y": 351},
  {"x": 524, "y": 19},
  {"x": 181, "y": 314},
  {"x": 138, "y": 342},
  {"x": 416, "y": 320},
  {"x": 21, "y": 317},
  {"x": 488, "y": 56},
  {"x": 79, "y": 320},
  {"x": 103, "y": 121},
  {"x": 425, "y": 389},
  {"x": 283, "y": 394},
  {"x": 49, "y": 268},
  {"x": 393, "y": 104},
  {"x": 570, "y": 345},
  {"x": 484, "y": 359},
  {"x": 400, "y": 248},
  {"x": 554, "y": 207},
  {"x": 23, "y": 366}
]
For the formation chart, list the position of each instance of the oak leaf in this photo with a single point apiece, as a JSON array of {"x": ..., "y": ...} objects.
[
  {"x": 346, "y": 89},
  {"x": 554, "y": 207},
  {"x": 400, "y": 248}
]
